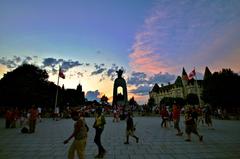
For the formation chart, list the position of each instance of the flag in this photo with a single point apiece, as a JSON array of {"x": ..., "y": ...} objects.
[
  {"x": 192, "y": 74},
  {"x": 61, "y": 74}
]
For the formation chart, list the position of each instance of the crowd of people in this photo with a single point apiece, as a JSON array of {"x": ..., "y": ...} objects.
[{"x": 193, "y": 116}]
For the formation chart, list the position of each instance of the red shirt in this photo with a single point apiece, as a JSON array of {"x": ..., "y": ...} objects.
[{"x": 176, "y": 112}]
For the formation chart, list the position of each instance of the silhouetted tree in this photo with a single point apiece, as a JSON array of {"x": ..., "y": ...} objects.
[
  {"x": 221, "y": 89},
  {"x": 167, "y": 101},
  {"x": 24, "y": 86},
  {"x": 151, "y": 103},
  {"x": 28, "y": 84},
  {"x": 192, "y": 99},
  {"x": 104, "y": 100},
  {"x": 132, "y": 102},
  {"x": 180, "y": 101}
]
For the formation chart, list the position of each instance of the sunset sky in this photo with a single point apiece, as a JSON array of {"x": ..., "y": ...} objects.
[{"x": 151, "y": 40}]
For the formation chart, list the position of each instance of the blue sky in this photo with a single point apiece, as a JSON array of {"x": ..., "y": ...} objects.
[{"x": 150, "y": 39}]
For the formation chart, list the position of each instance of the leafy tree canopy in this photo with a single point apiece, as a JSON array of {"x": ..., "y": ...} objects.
[{"x": 221, "y": 89}]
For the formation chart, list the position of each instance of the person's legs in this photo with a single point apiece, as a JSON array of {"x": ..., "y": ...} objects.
[
  {"x": 194, "y": 130},
  {"x": 162, "y": 122},
  {"x": 71, "y": 150},
  {"x": 127, "y": 137},
  {"x": 30, "y": 126},
  {"x": 33, "y": 125},
  {"x": 97, "y": 140},
  {"x": 188, "y": 132},
  {"x": 80, "y": 147},
  {"x": 8, "y": 123}
]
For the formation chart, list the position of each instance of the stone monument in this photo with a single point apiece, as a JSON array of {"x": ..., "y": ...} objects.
[{"x": 120, "y": 82}]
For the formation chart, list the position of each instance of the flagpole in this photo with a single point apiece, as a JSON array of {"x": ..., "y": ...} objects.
[{"x": 56, "y": 98}]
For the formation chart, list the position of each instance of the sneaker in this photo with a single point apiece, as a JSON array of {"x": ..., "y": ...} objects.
[
  {"x": 188, "y": 140},
  {"x": 201, "y": 138},
  {"x": 137, "y": 139},
  {"x": 126, "y": 143}
]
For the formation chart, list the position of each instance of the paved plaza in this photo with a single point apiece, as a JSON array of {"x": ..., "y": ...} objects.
[{"x": 155, "y": 142}]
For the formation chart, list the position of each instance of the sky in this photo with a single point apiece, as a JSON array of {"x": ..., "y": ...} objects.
[{"x": 151, "y": 40}]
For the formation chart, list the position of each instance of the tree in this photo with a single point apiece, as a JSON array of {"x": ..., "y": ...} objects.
[
  {"x": 221, "y": 89},
  {"x": 24, "y": 86},
  {"x": 132, "y": 102},
  {"x": 28, "y": 84},
  {"x": 192, "y": 99},
  {"x": 151, "y": 103},
  {"x": 180, "y": 101},
  {"x": 104, "y": 100},
  {"x": 167, "y": 101}
]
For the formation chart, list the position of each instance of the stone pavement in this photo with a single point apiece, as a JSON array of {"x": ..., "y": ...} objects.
[{"x": 155, "y": 142}]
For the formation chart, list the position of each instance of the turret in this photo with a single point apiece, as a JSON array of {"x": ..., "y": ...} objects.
[
  {"x": 184, "y": 77},
  {"x": 207, "y": 73}
]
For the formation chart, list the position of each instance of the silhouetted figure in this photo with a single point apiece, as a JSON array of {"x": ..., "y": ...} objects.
[
  {"x": 33, "y": 115},
  {"x": 130, "y": 129},
  {"x": 80, "y": 136},
  {"x": 164, "y": 114},
  {"x": 176, "y": 119},
  {"x": 99, "y": 127},
  {"x": 191, "y": 125}
]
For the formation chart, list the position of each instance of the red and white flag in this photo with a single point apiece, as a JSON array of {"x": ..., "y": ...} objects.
[
  {"x": 192, "y": 74},
  {"x": 61, "y": 74}
]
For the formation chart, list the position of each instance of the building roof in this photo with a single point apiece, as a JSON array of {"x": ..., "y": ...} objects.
[
  {"x": 178, "y": 82},
  {"x": 207, "y": 73},
  {"x": 156, "y": 88}
]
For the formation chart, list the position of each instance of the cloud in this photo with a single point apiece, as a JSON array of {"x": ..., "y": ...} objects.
[
  {"x": 161, "y": 78},
  {"x": 144, "y": 83},
  {"x": 66, "y": 65},
  {"x": 99, "y": 69},
  {"x": 93, "y": 95},
  {"x": 141, "y": 90},
  {"x": 50, "y": 62},
  {"x": 111, "y": 72},
  {"x": 137, "y": 78},
  {"x": 15, "y": 61},
  {"x": 185, "y": 33}
]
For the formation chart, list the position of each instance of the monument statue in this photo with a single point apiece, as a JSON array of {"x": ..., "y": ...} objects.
[{"x": 120, "y": 82}]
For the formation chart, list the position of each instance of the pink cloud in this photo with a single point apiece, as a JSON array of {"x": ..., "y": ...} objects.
[{"x": 147, "y": 56}]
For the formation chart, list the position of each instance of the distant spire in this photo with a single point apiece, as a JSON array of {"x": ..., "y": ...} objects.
[
  {"x": 184, "y": 75},
  {"x": 207, "y": 73},
  {"x": 156, "y": 88}
]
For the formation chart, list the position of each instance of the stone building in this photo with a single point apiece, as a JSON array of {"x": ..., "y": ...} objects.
[{"x": 180, "y": 88}]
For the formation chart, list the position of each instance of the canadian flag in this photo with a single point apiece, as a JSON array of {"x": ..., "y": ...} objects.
[
  {"x": 61, "y": 74},
  {"x": 192, "y": 74}
]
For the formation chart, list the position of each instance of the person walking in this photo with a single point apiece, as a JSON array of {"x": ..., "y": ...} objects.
[
  {"x": 165, "y": 116},
  {"x": 33, "y": 115},
  {"x": 176, "y": 118},
  {"x": 130, "y": 129},
  {"x": 208, "y": 119},
  {"x": 99, "y": 127},
  {"x": 191, "y": 125},
  {"x": 80, "y": 136}
]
